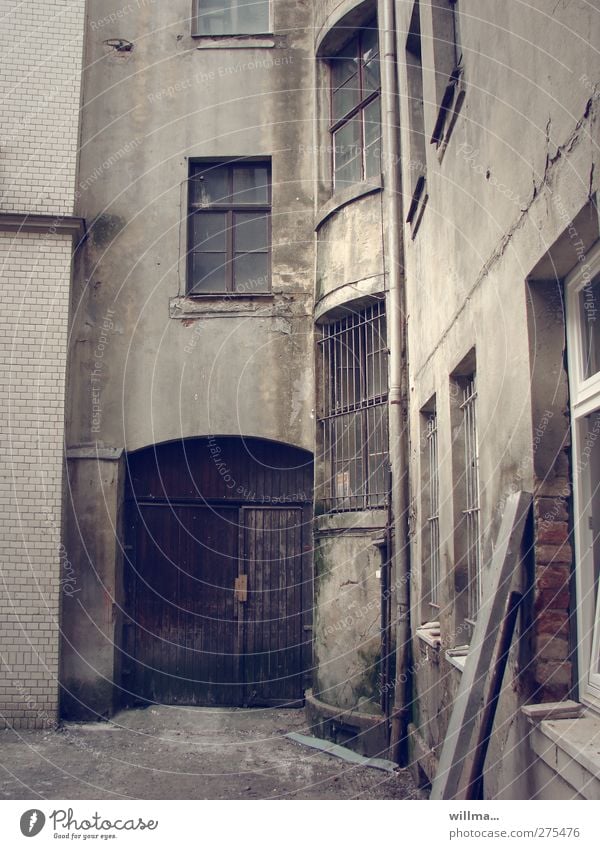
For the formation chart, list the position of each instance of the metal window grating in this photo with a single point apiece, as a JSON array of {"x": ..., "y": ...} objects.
[
  {"x": 354, "y": 410},
  {"x": 433, "y": 519},
  {"x": 471, "y": 511}
]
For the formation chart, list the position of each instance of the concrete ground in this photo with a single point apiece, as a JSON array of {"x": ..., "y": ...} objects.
[{"x": 185, "y": 753}]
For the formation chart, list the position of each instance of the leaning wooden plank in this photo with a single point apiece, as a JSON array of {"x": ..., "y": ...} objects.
[{"x": 496, "y": 587}]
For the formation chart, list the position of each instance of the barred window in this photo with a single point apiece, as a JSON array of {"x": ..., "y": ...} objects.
[
  {"x": 433, "y": 511},
  {"x": 354, "y": 411},
  {"x": 355, "y": 110},
  {"x": 471, "y": 492}
]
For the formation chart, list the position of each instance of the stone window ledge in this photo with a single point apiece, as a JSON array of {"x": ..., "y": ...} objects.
[
  {"x": 233, "y": 42},
  {"x": 429, "y": 633},
  {"x": 570, "y": 745},
  {"x": 457, "y": 657}
]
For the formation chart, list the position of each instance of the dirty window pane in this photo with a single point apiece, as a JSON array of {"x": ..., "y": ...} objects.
[
  {"x": 251, "y": 273},
  {"x": 347, "y": 147},
  {"x": 369, "y": 44},
  {"x": 209, "y": 272},
  {"x": 253, "y": 16},
  {"x": 345, "y": 65},
  {"x": 250, "y": 184},
  {"x": 371, "y": 76},
  {"x": 345, "y": 98},
  {"x": 210, "y": 186},
  {"x": 589, "y": 302},
  {"x": 210, "y": 231},
  {"x": 232, "y": 17},
  {"x": 251, "y": 232}
]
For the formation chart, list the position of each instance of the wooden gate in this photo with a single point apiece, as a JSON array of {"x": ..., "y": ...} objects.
[{"x": 217, "y": 592}]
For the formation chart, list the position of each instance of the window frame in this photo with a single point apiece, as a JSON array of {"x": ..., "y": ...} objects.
[
  {"x": 415, "y": 100},
  {"x": 196, "y": 17},
  {"x": 359, "y": 108},
  {"x": 447, "y": 74},
  {"x": 230, "y": 209},
  {"x": 584, "y": 401}
]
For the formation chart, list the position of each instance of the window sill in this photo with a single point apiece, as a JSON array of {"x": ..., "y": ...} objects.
[
  {"x": 457, "y": 657},
  {"x": 429, "y": 633},
  {"x": 186, "y": 306},
  {"x": 345, "y": 196},
  {"x": 233, "y": 42},
  {"x": 568, "y": 745}
]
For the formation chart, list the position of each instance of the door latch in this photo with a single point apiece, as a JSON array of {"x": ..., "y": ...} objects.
[{"x": 241, "y": 588}]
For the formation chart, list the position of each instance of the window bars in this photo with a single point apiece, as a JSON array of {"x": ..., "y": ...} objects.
[
  {"x": 433, "y": 520},
  {"x": 471, "y": 511},
  {"x": 354, "y": 410}
]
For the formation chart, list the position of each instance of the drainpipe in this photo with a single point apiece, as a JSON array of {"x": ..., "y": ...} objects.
[{"x": 398, "y": 421}]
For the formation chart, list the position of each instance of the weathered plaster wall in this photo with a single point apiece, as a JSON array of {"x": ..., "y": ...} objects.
[
  {"x": 171, "y": 369},
  {"x": 517, "y": 168},
  {"x": 348, "y": 610},
  {"x": 148, "y": 364}
]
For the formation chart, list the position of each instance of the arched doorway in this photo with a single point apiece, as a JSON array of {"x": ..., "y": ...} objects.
[{"x": 218, "y": 573}]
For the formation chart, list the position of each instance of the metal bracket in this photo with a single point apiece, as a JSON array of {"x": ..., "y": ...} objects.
[{"x": 241, "y": 588}]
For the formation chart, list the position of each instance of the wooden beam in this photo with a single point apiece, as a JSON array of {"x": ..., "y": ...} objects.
[{"x": 497, "y": 581}]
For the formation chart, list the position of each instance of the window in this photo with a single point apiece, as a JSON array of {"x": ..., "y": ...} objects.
[
  {"x": 447, "y": 59},
  {"x": 355, "y": 110},
  {"x": 229, "y": 222},
  {"x": 417, "y": 165},
  {"x": 231, "y": 17},
  {"x": 465, "y": 473},
  {"x": 354, "y": 412},
  {"x": 583, "y": 340},
  {"x": 431, "y": 507},
  {"x": 471, "y": 497}
]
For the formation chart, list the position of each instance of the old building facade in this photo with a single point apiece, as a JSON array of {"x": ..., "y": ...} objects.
[{"x": 336, "y": 304}]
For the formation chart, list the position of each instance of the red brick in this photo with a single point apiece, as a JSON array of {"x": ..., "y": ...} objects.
[
  {"x": 551, "y": 599},
  {"x": 553, "y": 554},
  {"x": 551, "y": 623},
  {"x": 551, "y": 509},
  {"x": 555, "y": 575},
  {"x": 550, "y": 648},
  {"x": 552, "y": 533},
  {"x": 553, "y": 673}
]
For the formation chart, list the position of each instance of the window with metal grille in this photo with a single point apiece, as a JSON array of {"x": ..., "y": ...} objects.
[
  {"x": 355, "y": 109},
  {"x": 229, "y": 223},
  {"x": 231, "y": 17},
  {"x": 433, "y": 512},
  {"x": 471, "y": 492},
  {"x": 354, "y": 410}
]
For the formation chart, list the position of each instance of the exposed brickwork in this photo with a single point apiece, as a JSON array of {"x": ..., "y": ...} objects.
[
  {"x": 41, "y": 45},
  {"x": 553, "y": 563}
]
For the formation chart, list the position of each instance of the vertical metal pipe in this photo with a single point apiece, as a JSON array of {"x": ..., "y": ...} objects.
[{"x": 396, "y": 314}]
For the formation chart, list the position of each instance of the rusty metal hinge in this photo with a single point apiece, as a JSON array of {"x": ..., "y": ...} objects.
[{"x": 241, "y": 588}]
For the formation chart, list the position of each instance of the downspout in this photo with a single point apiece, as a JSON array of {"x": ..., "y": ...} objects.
[{"x": 398, "y": 421}]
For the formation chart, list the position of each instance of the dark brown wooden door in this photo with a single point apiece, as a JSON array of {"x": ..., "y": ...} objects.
[
  {"x": 274, "y": 636},
  {"x": 182, "y": 624},
  {"x": 189, "y": 637}
]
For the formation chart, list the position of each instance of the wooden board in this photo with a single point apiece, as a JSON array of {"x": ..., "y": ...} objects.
[{"x": 497, "y": 581}]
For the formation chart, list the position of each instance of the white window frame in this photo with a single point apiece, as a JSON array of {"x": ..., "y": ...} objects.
[{"x": 585, "y": 399}]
